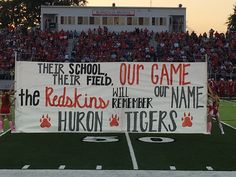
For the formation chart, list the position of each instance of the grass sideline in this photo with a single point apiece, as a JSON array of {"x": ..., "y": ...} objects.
[{"x": 228, "y": 112}]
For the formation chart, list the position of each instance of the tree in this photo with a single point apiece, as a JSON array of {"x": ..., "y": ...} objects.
[
  {"x": 231, "y": 22},
  {"x": 27, "y": 12}
]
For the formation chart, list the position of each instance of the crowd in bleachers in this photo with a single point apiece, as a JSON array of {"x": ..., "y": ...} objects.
[
  {"x": 102, "y": 45},
  {"x": 219, "y": 48},
  {"x": 224, "y": 88},
  {"x": 31, "y": 45},
  {"x": 105, "y": 46}
]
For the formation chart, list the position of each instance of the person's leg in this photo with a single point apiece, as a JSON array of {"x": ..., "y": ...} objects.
[
  {"x": 219, "y": 123},
  {"x": 209, "y": 124},
  {"x": 11, "y": 123},
  {"x": 209, "y": 115},
  {"x": 1, "y": 123}
]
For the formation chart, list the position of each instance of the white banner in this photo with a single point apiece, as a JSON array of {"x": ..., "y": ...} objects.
[{"x": 111, "y": 97}]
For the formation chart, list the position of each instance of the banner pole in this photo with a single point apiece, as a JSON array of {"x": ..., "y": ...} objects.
[
  {"x": 206, "y": 63},
  {"x": 206, "y": 84},
  {"x": 15, "y": 52},
  {"x": 15, "y": 87}
]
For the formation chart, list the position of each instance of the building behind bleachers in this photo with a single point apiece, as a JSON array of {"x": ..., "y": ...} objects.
[{"x": 117, "y": 19}]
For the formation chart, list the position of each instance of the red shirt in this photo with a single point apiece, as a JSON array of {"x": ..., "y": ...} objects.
[
  {"x": 230, "y": 88},
  {"x": 6, "y": 104},
  {"x": 6, "y": 100}
]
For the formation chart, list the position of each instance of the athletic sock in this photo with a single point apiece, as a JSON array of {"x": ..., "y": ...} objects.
[
  {"x": 11, "y": 125},
  {"x": 209, "y": 127},
  {"x": 221, "y": 128}
]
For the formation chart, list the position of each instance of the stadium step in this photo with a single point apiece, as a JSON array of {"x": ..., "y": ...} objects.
[{"x": 70, "y": 47}]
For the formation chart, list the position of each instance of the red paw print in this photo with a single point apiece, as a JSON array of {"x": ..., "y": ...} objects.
[
  {"x": 187, "y": 120},
  {"x": 45, "y": 122},
  {"x": 114, "y": 120}
]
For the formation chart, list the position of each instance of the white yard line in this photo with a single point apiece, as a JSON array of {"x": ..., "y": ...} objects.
[
  {"x": 113, "y": 173},
  {"x": 228, "y": 125},
  {"x": 62, "y": 167},
  {"x": 5, "y": 132},
  {"x": 209, "y": 168},
  {"x": 131, "y": 151},
  {"x": 172, "y": 168},
  {"x": 25, "y": 167},
  {"x": 229, "y": 101},
  {"x": 98, "y": 167},
  {"x": 234, "y": 104}
]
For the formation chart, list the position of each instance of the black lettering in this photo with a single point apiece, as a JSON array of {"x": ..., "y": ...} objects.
[
  {"x": 191, "y": 96},
  {"x": 71, "y": 70},
  {"x": 27, "y": 99},
  {"x": 173, "y": 115},
  {"x": 198, "y": 95},
  {"x": 162, "y": 116},
  {"x": 182, "y": 98},
  {"x": 175, "y": 98},
  {"x": 80, "y": 117},
  {"x": 151, "y": 121},
  {"x": 71, "y": 121},
  {"x": 61, "y": 122},
  {"x": 143, "y": 125}
]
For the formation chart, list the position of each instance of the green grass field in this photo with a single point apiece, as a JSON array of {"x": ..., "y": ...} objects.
[
  {"x": 228, "y": 112},
  {"x": 187, "y": 152}
]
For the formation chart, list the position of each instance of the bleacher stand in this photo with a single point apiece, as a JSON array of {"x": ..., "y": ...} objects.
[{"x": 102, "y": 45}]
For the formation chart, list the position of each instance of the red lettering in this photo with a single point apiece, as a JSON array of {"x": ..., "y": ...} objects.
[
  {"x": 130, "y": 73},
  {"x": 175, "y": 71},
  {"x": 169, "y": 73},
  {"x": 164, "y": 73},
  {"x": 77, "y": 97},
  {"x": 185, "y": 74},
  {"x": 131, "y": 78},
  {"x": 78, "y": 101},
  {"x": 154, "y": 77},
  {"x": 140, "y": 66},
  {"x": 123, "y": 74},
  {"x": 69, "y": 103},
  {"x": 48, "y": 93}
]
